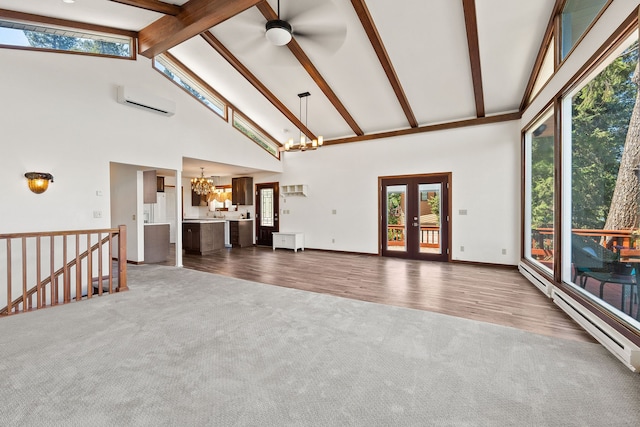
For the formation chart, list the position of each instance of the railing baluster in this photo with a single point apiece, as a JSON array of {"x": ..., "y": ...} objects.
[
  {"x": 24, "y": 274},
  {"x": 78, "y": 270},
  {"x": 89, "y": 268},
  {"x": 110, "y": 263},
  {"x": 38, "y": 273},
  {"x": 99, "y": 263},
  {"x": 9, "y": 299},
  {"x": 66, "y": 283},
  {"x": 53, "y": 281}
]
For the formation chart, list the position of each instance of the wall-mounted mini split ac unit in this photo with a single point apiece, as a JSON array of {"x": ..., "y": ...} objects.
[{"x": 145, "y": 101}]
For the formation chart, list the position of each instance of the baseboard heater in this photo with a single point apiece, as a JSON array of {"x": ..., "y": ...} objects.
[{"x": 623, "y": 349}]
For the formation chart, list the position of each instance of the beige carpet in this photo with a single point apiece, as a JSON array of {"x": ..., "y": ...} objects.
[{"x": 189, "y": 348}]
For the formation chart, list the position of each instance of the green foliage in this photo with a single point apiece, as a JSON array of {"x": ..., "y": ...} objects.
[
  {"x": 600, "y": 119},
  {"x": 393, "y": 208},
  {"x": 434, "y": 204},
  {"x": 76, "y": 44},
  {"x": 601, "y": 113}
]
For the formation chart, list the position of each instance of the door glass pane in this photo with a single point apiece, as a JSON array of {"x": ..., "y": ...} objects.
[
  {"x": 430, "y": 204},
  {"x": 266, "y": 207},
  {"x": 396, "y": 224}
]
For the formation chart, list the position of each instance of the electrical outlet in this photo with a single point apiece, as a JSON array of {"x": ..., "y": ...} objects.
[
  {"x": 334, "y": 212},
  {"x": 504, "y": 252},
  {"x": 461, "y": 248},
  {"x": 462, "y": 212},
  {"x": 97, "y": 214},
  {"x": 333, "y": 240}
]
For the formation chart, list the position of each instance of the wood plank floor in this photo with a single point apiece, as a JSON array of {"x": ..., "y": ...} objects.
[{"x": 496, "y": 295}]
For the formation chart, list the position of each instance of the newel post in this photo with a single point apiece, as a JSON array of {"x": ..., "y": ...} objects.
[{"x": 122, "y": 258}]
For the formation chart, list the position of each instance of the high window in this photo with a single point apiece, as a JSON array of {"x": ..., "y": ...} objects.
[
  {"x": 181, "y": 76},
  {"x": 254, "y": 133},
  {"x": 26, "y": 35},
  {"x": 577, "y": 16}
]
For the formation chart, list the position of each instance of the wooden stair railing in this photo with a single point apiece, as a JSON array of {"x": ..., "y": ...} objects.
[{"x": 51, "y": 283}]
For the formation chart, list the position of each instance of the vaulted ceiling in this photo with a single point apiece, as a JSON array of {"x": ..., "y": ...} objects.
[{"x": 373, "y": 67}]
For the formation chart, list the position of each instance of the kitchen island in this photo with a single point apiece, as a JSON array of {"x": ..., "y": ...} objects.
[{"x": 203, "y": 236}]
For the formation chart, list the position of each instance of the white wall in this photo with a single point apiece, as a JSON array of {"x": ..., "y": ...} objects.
[
  {"x": 485, "y": 166},
  {"x": 58, "y": 114}
]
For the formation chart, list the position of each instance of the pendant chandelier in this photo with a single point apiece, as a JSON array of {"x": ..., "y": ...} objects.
[
  {"x": 304, "y": 144},
  {"x": 202, "y": 185}
]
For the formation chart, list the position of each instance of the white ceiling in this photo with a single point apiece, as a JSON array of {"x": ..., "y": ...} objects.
[{"x": 426, "y": 42}]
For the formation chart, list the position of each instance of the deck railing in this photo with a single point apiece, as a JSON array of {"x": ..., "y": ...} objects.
[
  {"x": 622, "y": 241},
  {"x": 58, "y": 267},
  {"x": 429, "y": 236}
]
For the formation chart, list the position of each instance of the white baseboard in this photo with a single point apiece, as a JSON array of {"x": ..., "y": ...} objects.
[{"x": 621, "y": 347}]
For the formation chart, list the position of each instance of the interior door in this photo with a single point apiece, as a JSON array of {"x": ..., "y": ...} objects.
[
  {"x": 267, "y": 208},
  {"x": 414, "y": 216}
]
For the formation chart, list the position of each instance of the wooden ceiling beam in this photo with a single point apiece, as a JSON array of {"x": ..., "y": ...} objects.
[
  {"x": 297, "y": 51},
  {"x": 471, "y": 23},
  {"x": 376, "y": 42},
  {"x": 152, "y": 5},
  {"x": 195, "y": 17},
  {"x": 255, "y": 82},
  {"x": 429, "y": 128}
]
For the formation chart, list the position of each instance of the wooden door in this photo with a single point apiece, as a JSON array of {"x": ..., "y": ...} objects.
[
  {"x": 267, "y": 209},
  {"x": 414, "y": 216}
]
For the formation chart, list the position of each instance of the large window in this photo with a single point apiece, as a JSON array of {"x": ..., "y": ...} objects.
[
  {"x": 540, "y": 191},
  {"x": 56, "y": 38},
  {"x": 601, "y": 134}
]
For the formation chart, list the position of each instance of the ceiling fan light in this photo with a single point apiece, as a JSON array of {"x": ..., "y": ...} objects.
[{"x": 278, "y": 32}]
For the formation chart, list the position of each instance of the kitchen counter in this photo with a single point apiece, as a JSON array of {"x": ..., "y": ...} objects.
[{"x": 156, "y": 242}]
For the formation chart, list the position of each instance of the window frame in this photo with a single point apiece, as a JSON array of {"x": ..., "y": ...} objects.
[
  {"x": 91, "y": 29},
  {"x": 194, "y": 83},
  {"x": 618, "y": 322},
  {"x": 258, "y": 131}
]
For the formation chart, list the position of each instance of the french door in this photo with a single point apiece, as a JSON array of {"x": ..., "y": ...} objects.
[
  {"x": 267, "y": 208},
  {"x": 414, "y": 216}
]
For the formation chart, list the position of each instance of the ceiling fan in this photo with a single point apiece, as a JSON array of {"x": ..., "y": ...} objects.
[{"x": 316, "y": 24}]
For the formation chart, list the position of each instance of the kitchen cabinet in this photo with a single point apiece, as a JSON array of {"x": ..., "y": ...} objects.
[
  {"x": 241, "y": 233},
  {"x": 202, "y": 237},
  {"x": 198, "y": 199},
  {"x": 288, "y": 240},
  {"x": 242, "y": 190},
  {"x": 149, "y": 186}
]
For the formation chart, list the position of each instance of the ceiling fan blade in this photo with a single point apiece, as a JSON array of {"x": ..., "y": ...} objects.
[
  {"x": 304, "y": 12},
  {"x": 327, "y": 40}
]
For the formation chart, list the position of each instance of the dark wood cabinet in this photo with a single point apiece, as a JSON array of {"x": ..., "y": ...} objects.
[
  {"x": 240, "y": 233},
  {"x": 202, "y": 237},
  {"x": 149, "y": 187},
  {"x": 198, "y": 199},
  {"x": 242, "y": 190}
]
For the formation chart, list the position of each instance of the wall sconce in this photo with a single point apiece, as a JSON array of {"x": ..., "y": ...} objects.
[{"x": 38, "y": 181}]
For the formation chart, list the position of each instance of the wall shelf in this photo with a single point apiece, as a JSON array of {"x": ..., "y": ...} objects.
[{"x": 294, "y": 190}]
